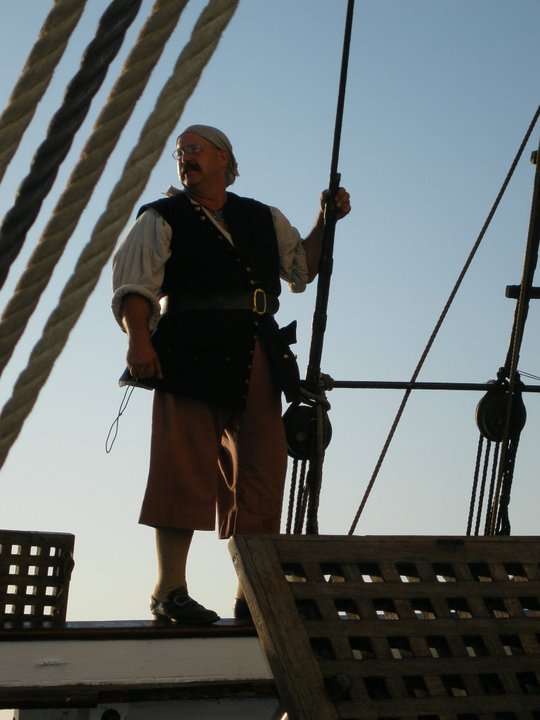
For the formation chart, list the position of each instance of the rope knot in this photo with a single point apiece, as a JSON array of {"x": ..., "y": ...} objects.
[{"x": 313, "y": 399}]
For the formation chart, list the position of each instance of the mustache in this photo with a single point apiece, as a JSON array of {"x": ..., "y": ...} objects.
[{"x": 188, "y": 166}]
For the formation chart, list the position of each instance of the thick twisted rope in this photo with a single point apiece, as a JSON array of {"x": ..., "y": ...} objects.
[
  {"x": 49, "y": 156},
  {"x": 154, "y": 135},
  {"x": 36, "y": 76},
  {"x": 107, "y": 129}
]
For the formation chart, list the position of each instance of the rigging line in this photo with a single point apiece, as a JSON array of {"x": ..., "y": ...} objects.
[
  {"x": 93, "y": 158},
  {"x": 396, "y": 385},
  {"x": 442, "y": 317},
  {"x": 292, "y": 494},
  {"x": 308, "y": 495},
  {"x": 36, "y": 76},
  {"x": 313, "y": 374},
  {"x": 529, "y": 267},
  {"x": 302, "y": 495},
  {"x": 159, "y": 125},
  {"x": 484, "y": 482},
  {"x": 528, "y": 375},
  {"x": 325, "y": 264},
  {"x": 110, "y": 34},
  {"x": 312, "y": 524},
  {"x": 504, "y": 480},
  {"x": 472, "y": 503},
  {"x": 489, "y": 504}
]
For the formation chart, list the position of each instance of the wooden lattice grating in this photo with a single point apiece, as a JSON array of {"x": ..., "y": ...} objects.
[
  {"x": 397, "y": 627},
  {"x": 35, "y": 570}
]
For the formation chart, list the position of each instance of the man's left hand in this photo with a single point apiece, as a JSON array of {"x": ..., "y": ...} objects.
[{"x": 342, "y": 202}]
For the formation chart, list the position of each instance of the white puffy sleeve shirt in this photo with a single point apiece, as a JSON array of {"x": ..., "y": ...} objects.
[{"x": 139, "y": 262}]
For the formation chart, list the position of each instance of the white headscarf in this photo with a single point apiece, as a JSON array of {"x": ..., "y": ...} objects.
[{"x": 221, "y": 141}]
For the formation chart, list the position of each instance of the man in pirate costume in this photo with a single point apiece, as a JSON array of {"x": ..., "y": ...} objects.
[{"x": 196, "y": 283}]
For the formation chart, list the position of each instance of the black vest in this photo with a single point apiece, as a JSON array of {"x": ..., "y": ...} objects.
[{"x": 206, "y": 354}]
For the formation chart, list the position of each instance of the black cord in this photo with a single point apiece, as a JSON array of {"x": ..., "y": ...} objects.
[{"x": 113, "y": 430}]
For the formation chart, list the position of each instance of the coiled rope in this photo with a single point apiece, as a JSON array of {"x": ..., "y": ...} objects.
[
  {"x": 441, "y": 319},
  {"x": 107, "y": 129},
  {"x": 36, "y": 76},
  {"x": 148, "y": 148},
  {"x": 49, "y": 156}
]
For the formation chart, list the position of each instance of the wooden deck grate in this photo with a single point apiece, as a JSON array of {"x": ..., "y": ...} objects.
[
  {"x": 35, "y": 570},
  {"x": 397, "y": 627}
]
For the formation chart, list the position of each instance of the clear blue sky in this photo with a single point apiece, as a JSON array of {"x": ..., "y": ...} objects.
[{"x": 439, "y": 97}]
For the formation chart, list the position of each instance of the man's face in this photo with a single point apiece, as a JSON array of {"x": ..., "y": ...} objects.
[{"x": 200, "y": 161}]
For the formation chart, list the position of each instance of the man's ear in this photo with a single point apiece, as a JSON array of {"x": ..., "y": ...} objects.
[{"x": 224, "y": 156}]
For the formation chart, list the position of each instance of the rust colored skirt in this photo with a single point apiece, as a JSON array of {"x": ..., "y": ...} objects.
[{"x": 205, "y": 458}]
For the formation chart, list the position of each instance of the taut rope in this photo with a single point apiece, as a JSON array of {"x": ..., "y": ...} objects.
[
  {"x": 314, "y": 391},
  {"x": 49, "y": 156},
  {"x": 499, "y": 522},
  {"x": 441, "y": 320},
  {"x": 36, "y": 76},
  {"x": 148, "y": 148},
  {"x": 107, "y": 129}
]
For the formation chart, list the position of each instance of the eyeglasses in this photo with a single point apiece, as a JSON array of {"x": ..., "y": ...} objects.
[{"x": 179, "y": 153}]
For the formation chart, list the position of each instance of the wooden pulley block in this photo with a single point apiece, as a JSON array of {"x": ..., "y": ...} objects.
[
  {"x": 301, "y": 430},
  {"x": 491, "y": 413}
]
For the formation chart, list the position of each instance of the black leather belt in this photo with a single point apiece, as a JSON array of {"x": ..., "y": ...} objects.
[{"x": 258, "y": 301}]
